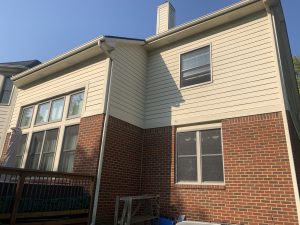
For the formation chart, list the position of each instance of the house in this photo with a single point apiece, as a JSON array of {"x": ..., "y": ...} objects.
[
  {"x": 205, "y": 114},
  {"x": 7, "y": 96}
]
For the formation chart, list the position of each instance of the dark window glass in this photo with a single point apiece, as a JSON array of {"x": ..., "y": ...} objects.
[
  {"x": 68, "y": 150},
  {"x": 187, "y": 157},
  {"x": 49, "y": 148},
  {"x": 20, "y": 151},
  {"x": 186, "y": 143},
  {"x": 195, "y": 67},
  {"x": 42, "y": 150},
  {"x": 35, "y": 150},
  {"x": 6, "y": 91},
  {"x": 26, "y": 117},
  {"x": 187, "y": 169},
  {"x": 211, "y": 155},
  {"x": 207, "y": 154},
  {"x": 211, "y": 142},
  {"x": 212, "y": 168}
]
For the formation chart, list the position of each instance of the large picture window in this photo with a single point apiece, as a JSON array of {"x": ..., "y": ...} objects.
[
  {"x": 199, "y": 156},
  {"x": 49, "y": 149},
  {"x": 195, "y": 67}
]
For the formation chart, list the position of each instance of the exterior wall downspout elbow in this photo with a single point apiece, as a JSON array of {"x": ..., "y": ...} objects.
[{"x": 101, "y": 44}]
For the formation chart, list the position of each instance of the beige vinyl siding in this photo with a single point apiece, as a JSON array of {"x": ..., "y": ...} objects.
[
  {"x": 90, "y": 75},
  {"x": 244, "y": 76},
  {"x": 4, "y": 115},
  {"x": 163, "y": 19},
  {"x": 129, "y": 84}
]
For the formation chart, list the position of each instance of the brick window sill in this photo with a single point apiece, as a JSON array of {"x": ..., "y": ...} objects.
[{"x": 201, "y": 186}]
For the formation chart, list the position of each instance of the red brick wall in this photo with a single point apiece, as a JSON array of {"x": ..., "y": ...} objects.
[
  {"x": 121, "y": 168},
  {"x": 258, "y": 187},
  {"x": 88, "y": 145},
  {"x": 5, "y": 146}
]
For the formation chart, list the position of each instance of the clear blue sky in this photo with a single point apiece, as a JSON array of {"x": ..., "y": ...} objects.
[{"x": 36, "y": 29}]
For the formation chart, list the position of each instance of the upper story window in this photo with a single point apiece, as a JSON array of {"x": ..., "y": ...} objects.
[
  {"x": 50, "y": 131},
  {"x": 26, "y": 116},
  {"x": 52, "y": 110},
  {"x": 200, "y": 157},
  {"x": 6, "y": 91},
  {"x": 75, "y": 106},
  {"x": 195, "y": 67}
]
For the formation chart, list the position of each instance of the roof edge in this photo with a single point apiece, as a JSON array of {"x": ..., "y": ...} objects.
[
  {"x": 201, "y": 19},
  {"x": 73, "y": 52},
  {"x": 59, "y": 58}
]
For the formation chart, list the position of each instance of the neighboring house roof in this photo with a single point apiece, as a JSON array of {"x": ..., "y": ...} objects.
[
  {"x": 21, "y": 64},
  {"x": 11, "y": 68},
  {"x": 91, "y": 49},
  {"x": 25, "y": 64}
]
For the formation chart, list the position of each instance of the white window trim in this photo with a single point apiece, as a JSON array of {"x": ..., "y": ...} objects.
[
  {"x": 196, "y": 128},
  {"x": 61, "y": 125},
  {"x": 211, "y": 67}
]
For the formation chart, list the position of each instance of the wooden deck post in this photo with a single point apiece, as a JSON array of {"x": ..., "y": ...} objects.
[{"x": 19, "y": 191}]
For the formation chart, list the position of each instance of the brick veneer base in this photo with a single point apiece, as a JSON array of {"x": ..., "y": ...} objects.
[
  {"x": 121, "y": 172},
  {"x": 88, "y": 144},
  {"x": 258, "y": 185}
]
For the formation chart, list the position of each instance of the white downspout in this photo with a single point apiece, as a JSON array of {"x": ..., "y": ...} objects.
[{"x": 104, "y": 132}]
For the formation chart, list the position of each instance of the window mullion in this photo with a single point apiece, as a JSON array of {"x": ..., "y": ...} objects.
[
  {"x": 198, "y": 146},
  {"x": 59, "y": 146},
  {"x": 42, "y": 149},
  {"x": 49, "y": 111}
]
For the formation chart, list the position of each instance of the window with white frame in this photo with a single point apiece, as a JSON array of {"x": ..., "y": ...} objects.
[
  {"x": 195, "y": 67},
  {"x": 75, "y": 105},
  {"x": 20, "y": 149},
  {"x": 51, "y": 133},
  {"x": 26, "y": 117},
  {"x": 42, "y": 150},
  {"x": 68, "y": 149},
  {"x": 200, "y": 157}
]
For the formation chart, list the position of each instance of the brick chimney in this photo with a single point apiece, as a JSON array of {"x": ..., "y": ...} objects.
[{"x": 165, "y": 17}]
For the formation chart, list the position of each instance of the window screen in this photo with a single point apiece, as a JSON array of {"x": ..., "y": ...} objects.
[{"x": 199, "y": 156}]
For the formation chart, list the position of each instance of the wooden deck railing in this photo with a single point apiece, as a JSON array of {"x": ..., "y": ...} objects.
[{"x": 37, "y": 197}]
